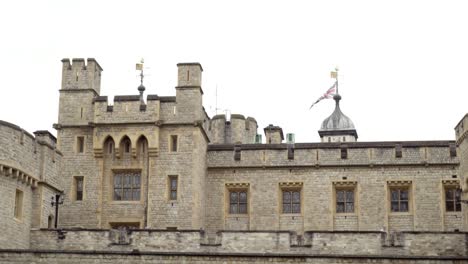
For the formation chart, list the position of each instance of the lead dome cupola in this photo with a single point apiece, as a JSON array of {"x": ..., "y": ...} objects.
[{"x": 337, "y": 127}]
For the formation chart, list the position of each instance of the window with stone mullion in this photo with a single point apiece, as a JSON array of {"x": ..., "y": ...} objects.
[
  {"x": 237, "y": 202},
  {"x": 399, "y": 200},
  {"x": 345, "y": 201},
  {"x": 452, "y": 200},
  {"x": 291, "y": 202},
  {"x": 127, "y": 187}
]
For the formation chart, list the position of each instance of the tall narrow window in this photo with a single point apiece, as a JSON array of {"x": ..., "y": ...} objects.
[
  {"x": 79, "y": 180},
  {"x": 127, "y": 146},
  {"x": 50, "y": 221},
  {"x": 110, "y": 148},
  {"x": 345, "y": 200},
  {"x": 291, "y": 201},
  {"x": 238, "y": 201},
  {"x": 127, "y": 186},
  {"x": 173, "y": 187},
  {"x": 173, "y": 147},
  {"x": 18, "y": 204},
  {"x": 452, "y": 199},
  {"x": 80, "y": 144},
  {"x": 399, "y": 199}
]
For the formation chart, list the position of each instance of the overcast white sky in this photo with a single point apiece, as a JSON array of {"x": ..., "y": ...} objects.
[{"x": 403, "y": 64}]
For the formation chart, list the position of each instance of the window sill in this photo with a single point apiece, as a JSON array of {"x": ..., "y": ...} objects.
[
  {"x": 345, "y": 214},
  {"x": 19, "y": 220},
  {"x": 401, "y": 214},
  {"x": 126, "y": 202},
  {"x": 290, "y": 214},
  {"x": 238, "y": 216},
  {"x": 457, "y": 213}
]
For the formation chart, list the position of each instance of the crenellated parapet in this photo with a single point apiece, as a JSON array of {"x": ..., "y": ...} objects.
[
  {"x": 126, "y": 109},
  {"x": 81, "y": 74},
  {"x": 237, "y": 130}
]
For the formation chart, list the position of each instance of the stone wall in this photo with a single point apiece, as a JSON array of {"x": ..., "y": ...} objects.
[
  {"x": 28, "y": 164},
  {"x": 52, "y": 257},
  {"x": 461, "y": 133},
  {"x": 15, "y": 231},
  {"x": 371, "y": 169},
  {"x": 280, "y": 242},
  {"x": 79, "y": 213}
]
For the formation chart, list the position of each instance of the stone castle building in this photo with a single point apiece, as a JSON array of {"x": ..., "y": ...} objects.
[{"x": 157, "y": 179}]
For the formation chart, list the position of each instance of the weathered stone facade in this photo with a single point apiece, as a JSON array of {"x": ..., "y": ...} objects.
[
  {"x": 28, "y": 179},
  {"x": 164, "y": 168}
]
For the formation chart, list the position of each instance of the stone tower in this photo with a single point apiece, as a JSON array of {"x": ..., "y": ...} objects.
[
  {"x": 338, "y": 127},
  {"x": 461, "y": 135},
  {"x": 81, "y": 84},
  {"x": 189, "y": 92}
]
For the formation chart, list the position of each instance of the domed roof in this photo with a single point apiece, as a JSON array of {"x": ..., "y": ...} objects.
[{"x": 337, "y": 120}]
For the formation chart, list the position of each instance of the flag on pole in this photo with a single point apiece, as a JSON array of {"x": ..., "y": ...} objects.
[
  {"x": 327, "y": 95},
  {"x": 139, "y": 66},
  {"x": 334, "y": 74}
]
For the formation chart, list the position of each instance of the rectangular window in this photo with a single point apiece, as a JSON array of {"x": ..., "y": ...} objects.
[
  {"x": 173, "y": 147},
  {"x": 79, "y": 188},
  {"x": 80, "y": 144},
  {"x": 291, "y": 201},
  {"x": 127, "y": 186},
  {"x": 345, "y": 200},
  {"x": 238, "y": 201},
  {"x": 399, "y": 199},
  {"x": 173, "y": 187},
  {"x": 18, "y": 204},
  {"x": 452, "y": 199}
]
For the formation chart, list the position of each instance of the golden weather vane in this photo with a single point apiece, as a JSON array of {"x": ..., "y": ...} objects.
[
  {"x": 141, "y": 88},
  {"x": 334, "y": 75}
]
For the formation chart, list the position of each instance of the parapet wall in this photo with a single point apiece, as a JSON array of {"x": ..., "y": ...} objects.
[
  {"x": 279, "y": 242},
  {"x": 334, "y": 154},
  {"x": 126, "y": 109}
]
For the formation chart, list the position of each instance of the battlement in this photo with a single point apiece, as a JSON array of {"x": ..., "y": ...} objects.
[
  {"x": 81, "y": 74},
  {"x": 128, "y": 109},
  {"x": 238, "y": 130},
  {"x": 189, "y": 75}
]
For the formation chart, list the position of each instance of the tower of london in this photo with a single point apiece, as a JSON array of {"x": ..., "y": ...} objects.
[{"x": 153, "y": 178}]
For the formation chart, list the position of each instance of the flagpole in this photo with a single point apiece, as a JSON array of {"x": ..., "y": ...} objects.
[{"x": 336, "y": 69}]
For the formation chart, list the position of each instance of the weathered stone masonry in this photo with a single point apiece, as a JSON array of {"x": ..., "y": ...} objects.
[{"x": 163, "y": 138}]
